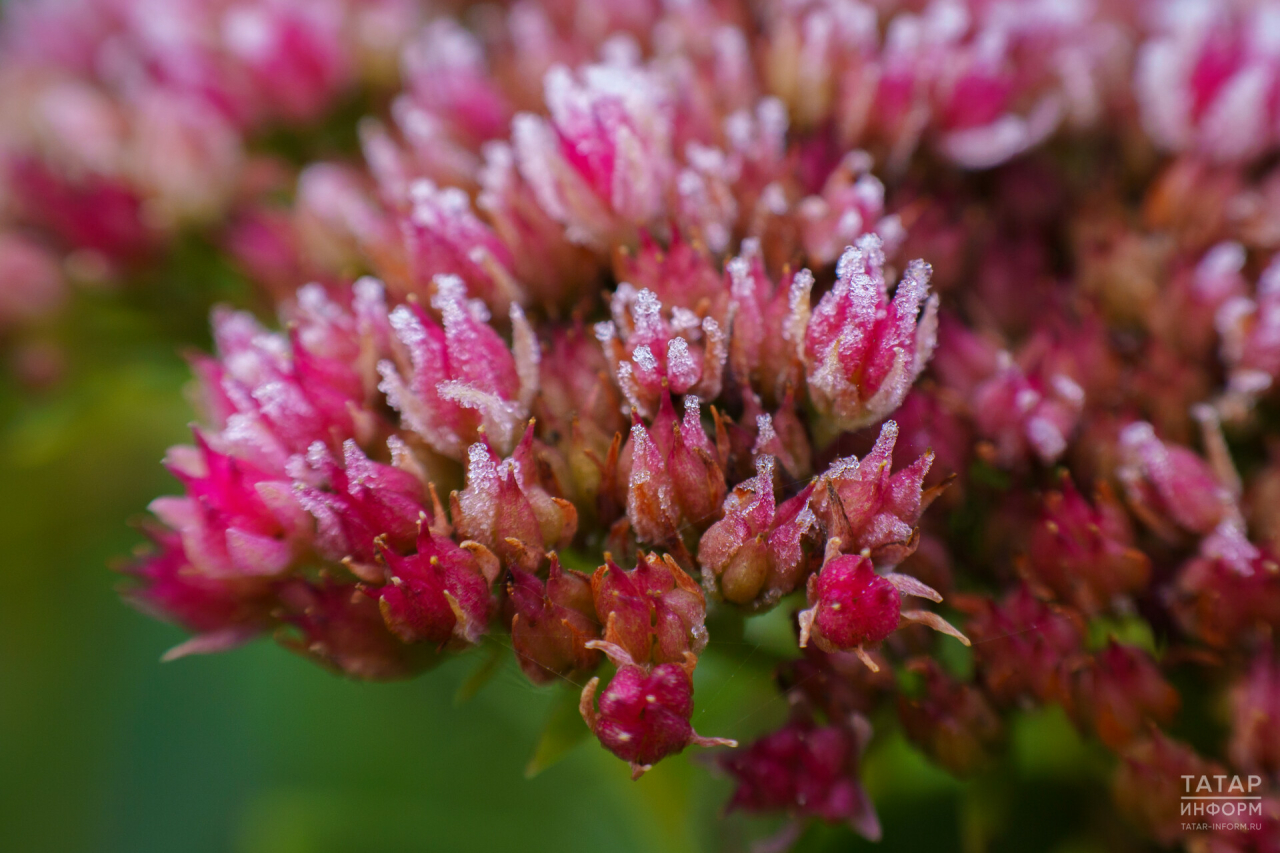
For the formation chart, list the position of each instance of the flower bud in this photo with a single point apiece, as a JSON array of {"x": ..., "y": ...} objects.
[
  {"x": 235, "y": 520},
  {"x": 1229, "y": 591},
  {"x": 951, "y": 720},
  {"x": 759, "y": 551},
  {"x": 454, "y": 380},
  {"x": 806, "y": 770},
  {"x": 851, "y": 606},
  {"x": 222, "y": 612},
  {"x": 1255, "y": 717},
  {"x": 357, "y": 502},
  {"x": 653, "y": 356},
  {"x": 440, "y": 594},
  {"x": 553, "y": 622},
  {"x": 644, "y": 712},
  {"x": 675, "y": 481},
  {"x": 1084, "y": 553},
  {"x": 1022, "y": 647},
  {"x": 868, "y": 507},
  {"x": 1168, "y": 483},
  {"x": 655, "y": 612},
  {"x": 863, "y": 351},
  {"x": 508, "y": 507},
  {"x": 601, "y": 164},
  {"x": 1120, "y": 692},
  {"x": 339, "y": 626}
]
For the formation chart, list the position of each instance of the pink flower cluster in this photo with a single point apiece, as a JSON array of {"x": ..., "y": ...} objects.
[
  {"x": 123, "y": 121},
  {"x": 630, "y": 308}
]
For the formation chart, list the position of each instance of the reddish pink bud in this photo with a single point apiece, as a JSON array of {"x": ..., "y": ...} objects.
[
  {"x": 553, "y": 622},
  {"x": 445, "y": 69},
  {"x": 600, "y": 166},
  {"x": 552, "y": 269},
  {"x": 675, "y": 481},
  {"x": 851, "y": 606},
  {"x": 806, "y": 770},
  {"x": 655, "y": 612},
  {"x": 356, "y": 502},
  {"x": 222, "y": 612},
  {"x": 1250, "y": 346},
  {"x": 1166, "y": 482},
  {"x": 653, "y": 355},
  {"x": 1084, "y": 553},
  {"x": 644, "y": 712},
  {"x": 950, "y": 720},
  {"x": 1230, "y": 590},
  {"x": 766, "y": 349},
  {"x": 868, "y": 507},
  {"x": 1027, "y": 412},
  {"x": 681, "y": 273},
  {"x": 863, "y": 351},
  {"x": 1255, "y": 717},
  {"x": 1152, "y": 780},
  {"x": 1022, "y": 647},
  {"x": 1120, "y": 692},
  {"x": 236, "y": 520},
  {"x": 759, "y": 551},
  {"x": 439, "y": 595},
  {"x": 451, "y": 381},
  {"x": 443, "y": 236},
  {"x": 340, "y": 626},
  {"x": 508, "y": 505},
  {"x": 851, "y": 204}
]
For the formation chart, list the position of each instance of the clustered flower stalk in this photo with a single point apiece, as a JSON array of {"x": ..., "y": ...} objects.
[{"x": 928, "y": 323}]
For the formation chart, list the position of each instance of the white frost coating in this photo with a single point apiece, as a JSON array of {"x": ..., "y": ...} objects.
[
  {"x": 644, "y": 359},
  {"x": 682, "y": 369},
  {"x": 1046, "y": 438}
]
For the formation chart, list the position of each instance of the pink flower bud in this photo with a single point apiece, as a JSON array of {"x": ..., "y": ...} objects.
[
  {"x": 508, "y": 507},
  {"x": 675, "y": 480},
  {"x": 236, "y": 520},
  {"x": 871, "y": 508},
  {"x": 357, "y": 502},
  {"x": 759, "y": 551},
  {"x": 1230, "y": 590},
  {"x": 450, "y": 381},
  {"x": 1022, "y": 647},
  {"x": 806, "y": 770},
  {"x": 601, "y": 164},
  {"x": 222, "y": 612},
  {"x": 443, "y": 236},
  {"x": 440, "y": 594},
  {"x": 1085, "y": 553},
  {"x": 339, "y": 626},
  {"x": 950, "y": 720},
  {"x": 1120, "y": 692},
  {"x": 1166, "y": 482},
  {"x": 766, "y": 349},
  {"x": 553, "y": 622},
  {"x": 655, "y": 612},
  {"x": 863, "y": 351},
  {"x": 653, "y": 355},
  {"x": 644, "y": 712},
  {"x": 1152, "y": 779},
  {"x": 851, "y": 606},
  {"x": 1255, "y": 717}
]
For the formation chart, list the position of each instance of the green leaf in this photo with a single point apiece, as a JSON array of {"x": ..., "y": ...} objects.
[{"x": 563, "y": 731}]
